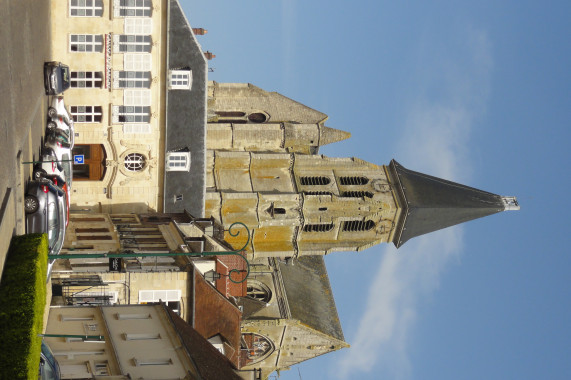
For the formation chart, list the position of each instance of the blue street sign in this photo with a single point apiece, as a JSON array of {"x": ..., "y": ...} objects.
[{"x": 78, "y": 159}]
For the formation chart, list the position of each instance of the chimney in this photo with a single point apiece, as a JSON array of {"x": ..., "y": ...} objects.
[
  {"x": 199, "y": 31},
  {"x": 209, "y": 55}
]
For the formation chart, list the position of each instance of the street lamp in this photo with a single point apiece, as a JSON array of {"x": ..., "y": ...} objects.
[{"x": 160, "y": 254}]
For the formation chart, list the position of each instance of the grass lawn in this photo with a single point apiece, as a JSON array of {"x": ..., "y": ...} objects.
[{"x": 22, "y": 302}]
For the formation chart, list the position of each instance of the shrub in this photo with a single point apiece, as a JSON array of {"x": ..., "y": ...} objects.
[{"x": 22, "y": 303}]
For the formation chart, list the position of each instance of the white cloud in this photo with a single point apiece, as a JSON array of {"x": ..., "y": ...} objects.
[{"x": 435, "y": 140}]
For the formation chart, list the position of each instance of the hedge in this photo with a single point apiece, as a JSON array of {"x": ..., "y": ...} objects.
[{"x": 22, "y": 303}]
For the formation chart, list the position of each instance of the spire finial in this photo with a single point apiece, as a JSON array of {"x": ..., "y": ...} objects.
[{"x": 510, "y": 203}]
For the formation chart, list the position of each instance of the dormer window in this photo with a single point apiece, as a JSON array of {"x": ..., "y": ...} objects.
[
  {"x": 180, "y": 79},
  {"x": 178, "y": 162}
]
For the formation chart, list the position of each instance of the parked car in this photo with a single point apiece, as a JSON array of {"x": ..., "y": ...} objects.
[
  {"x": 56, "y": 77},
  {"x": 55, "y": 145},
  {"x": 62, "y": 129},
  {"x": 51, "y": 169},
  {"x": 58, "y": 108},
  {"x": 44, "y": 205},
  {"x": 60, "y": 119},
  {"x": 49, "y": 367}
]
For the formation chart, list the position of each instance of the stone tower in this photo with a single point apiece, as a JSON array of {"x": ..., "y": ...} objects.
[{"x": 264, "y": 170}]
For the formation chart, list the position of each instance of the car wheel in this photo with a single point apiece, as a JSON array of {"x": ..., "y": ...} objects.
[
  {"x": 40, "y": 173},
  {"x": 52, "y": 112},
  {"x": 31, "y": 204},
  {"x": 51, "y": 126}
]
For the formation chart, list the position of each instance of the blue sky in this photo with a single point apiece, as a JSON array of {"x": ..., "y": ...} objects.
[{"x": 472, "y": 91}]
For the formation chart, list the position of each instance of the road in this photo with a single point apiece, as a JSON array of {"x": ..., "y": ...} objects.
[{"x": 25, "y": 41}]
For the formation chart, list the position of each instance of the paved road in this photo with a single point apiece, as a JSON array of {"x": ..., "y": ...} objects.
[{"x": 25, "y": 42}]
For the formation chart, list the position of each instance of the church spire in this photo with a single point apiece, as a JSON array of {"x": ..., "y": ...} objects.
[{"x": 430, "y": 203}]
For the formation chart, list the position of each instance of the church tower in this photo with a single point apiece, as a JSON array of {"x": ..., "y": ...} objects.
[{"x": 264, "y": 170}]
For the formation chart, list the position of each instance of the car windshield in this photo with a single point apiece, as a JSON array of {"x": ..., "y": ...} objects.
[
  {"x": 49, "y": 369},
  {"x": 65, "y": 77}
]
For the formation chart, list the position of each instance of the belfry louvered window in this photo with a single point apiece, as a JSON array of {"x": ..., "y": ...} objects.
[
  {"x": 321, "y": 227},
  {"x": 314, "y": 181},
  {"x": 358, "y": 194},
  {"x": 358, "y": 225},
  {"x": 353, "y": 180}
]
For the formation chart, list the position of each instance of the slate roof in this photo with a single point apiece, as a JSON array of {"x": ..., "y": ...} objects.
[
  {"x": 185, "y": 116},
  {"x": 310, "y": 296},
  {"x": 431, "y": 203},
  {"x": 208, "y": 361}
]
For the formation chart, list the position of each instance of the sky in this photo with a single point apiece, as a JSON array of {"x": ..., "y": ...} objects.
[{"x": 472, "y": 91}]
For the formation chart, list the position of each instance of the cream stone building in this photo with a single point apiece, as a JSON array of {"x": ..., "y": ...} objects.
[
  {"x": 131, "y": 342},
  {"x": 133, "y": 63},
  {"x": 90, "y": 279}
]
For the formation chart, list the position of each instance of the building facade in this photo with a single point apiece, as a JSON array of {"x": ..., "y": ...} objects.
[
  {"x": 131, "y": 342},
  {"x": 124, "y": 82}
]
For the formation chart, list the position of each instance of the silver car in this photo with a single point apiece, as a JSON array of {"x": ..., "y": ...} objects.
[{"x": 45, "y": 207}]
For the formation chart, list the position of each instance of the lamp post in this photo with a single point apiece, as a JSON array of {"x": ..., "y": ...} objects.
[{"x": 160, "y": 254}]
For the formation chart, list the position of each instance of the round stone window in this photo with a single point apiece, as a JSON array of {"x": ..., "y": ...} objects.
[{"x": 134, "y": 162}]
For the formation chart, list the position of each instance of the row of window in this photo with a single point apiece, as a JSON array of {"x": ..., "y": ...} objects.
[
  {"x": 121, "y": 114},
  {"x": 322, "y": 181},
  {"x": 122, "y": 43},
  {"x": 124, "y": 8},
  {"x": 178, "y": 79},
  {"x": 347, "y": 226}
]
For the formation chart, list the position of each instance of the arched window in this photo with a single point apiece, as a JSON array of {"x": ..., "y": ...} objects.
[
  {"x": 357, "y": 194},
  {"x": 255, "y": 347},
  {"x": 358, "y": 225},
  {"x": 314, "y": 181},
  {"x": 134, "y": 162},
  {"x": 320, "y": 227},
  {"x": 353, "y": 180}
]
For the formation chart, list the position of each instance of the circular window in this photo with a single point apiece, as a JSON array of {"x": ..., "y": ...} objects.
[
  {"x": 134, "y": 162},
  {"x": 259, "y": 291}
]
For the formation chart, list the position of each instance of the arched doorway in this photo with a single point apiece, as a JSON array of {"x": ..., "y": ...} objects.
[{"x": 93, "y": 167}]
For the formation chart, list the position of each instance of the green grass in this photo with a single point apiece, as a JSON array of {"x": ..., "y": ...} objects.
[{"x": 22, "y": 303}]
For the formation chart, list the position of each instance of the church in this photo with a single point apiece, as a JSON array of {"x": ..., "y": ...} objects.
[
  {"x": 263, "y": 169},
  {"x": 166, "y": 149}
]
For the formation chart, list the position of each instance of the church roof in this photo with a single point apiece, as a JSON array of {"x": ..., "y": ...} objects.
[
  {"x": 310, "y": 296},
  {"x": 432, "y": 203}
]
